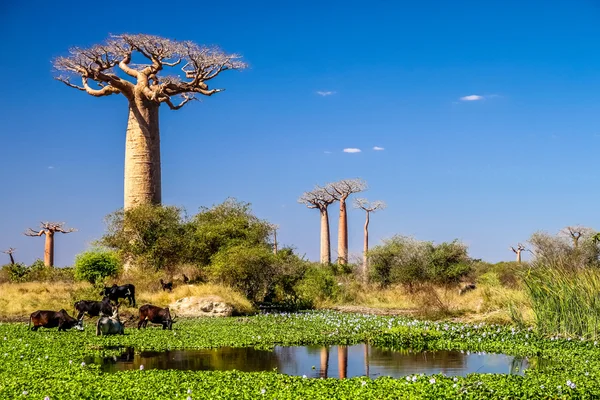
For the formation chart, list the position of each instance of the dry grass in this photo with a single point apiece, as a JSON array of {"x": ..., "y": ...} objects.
[{"x": 18, "y": 300}]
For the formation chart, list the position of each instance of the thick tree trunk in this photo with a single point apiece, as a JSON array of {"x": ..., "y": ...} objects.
[
  {"x": 343, "y": 234},
  {"x": 142, "y": 154},
  {"x": 342, "y": 361},
  {"x": 365, "y": 265},
  {"x": 49, "y": 249},
  {"x": 325, "y": 241},
  {"x": 519, "y": 256},
  {"x": 324, "y": 362}
]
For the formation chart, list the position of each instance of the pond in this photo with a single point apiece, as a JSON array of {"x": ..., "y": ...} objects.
[{"x": 319, "y": 361}]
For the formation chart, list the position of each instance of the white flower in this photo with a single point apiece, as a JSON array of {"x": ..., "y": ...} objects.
[
  {"x": 432, "y": 381},
  {"x": 455, "y": 385},
  {"x": 189, "y": 398},
  {"x": 189, "y": 391},
  {"x": 47, "y": 398},
  {"x": 83, "y": 363},
  {"x": 408, "y": 378},
  {"x": 455, "y": 379},
  {"x": 304, "y": 376},
  {"x": 25, "y": 393},
  {"x": 414, "y": 378},
  {"x": 142, "y": 367},
  {"x": 263, "y": 391},
  {"x": 364, "y": 383},
  {"x": 70, "y": 361}
]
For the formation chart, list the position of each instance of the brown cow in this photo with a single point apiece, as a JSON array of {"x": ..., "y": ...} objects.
[
  {"x": 52, "y": 319},
  {"x": 156, "y": 315}
]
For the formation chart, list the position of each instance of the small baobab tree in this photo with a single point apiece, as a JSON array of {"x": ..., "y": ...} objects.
[
  {"x": 518, "y": 250},
  {"x": 107, "y": 69},
  {"x": 10, "y": 253},
  {"x": 575, "y": 233},
  {"x": 368, "y": 207},
  {"x": 274, "y": 227},
  {"x": 49, "y": 229},
  {"x": 340, "y": 191},
  {"x": 321, "y": 200}
]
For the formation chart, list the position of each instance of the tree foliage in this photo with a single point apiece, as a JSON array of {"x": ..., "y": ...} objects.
[
  {"x": 404, "y": 260},
  {"x": 569, "y": 248},
  {"x": 95, "y": 265}
]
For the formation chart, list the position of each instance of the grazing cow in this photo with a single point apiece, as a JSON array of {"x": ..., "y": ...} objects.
[
  {"x": 52, "y": 319},
  {"x": 166, "y": 286},
  {"x": 185, "y": 279},
  {"x": 115, "y": 293},
  {"x": 93, "y": 308},
  {"x": 156, "y": 315},
  {"x": 110, "y": 325}
]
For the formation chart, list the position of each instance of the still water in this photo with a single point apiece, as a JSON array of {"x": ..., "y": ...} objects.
[{"x": 319, "y": 361}]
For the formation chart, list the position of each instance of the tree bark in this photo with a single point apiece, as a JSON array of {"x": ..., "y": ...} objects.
[
  {"x": 342, "y": 361},
  {"x": 343, "y": 234},
  {"x": 324, "y": 362},
  {"x": 49, "y": 249},
  {"x": 519, "y": 256},
  {"x": 366, "y": 249},
  {"x": 12, "y": 259},
  {"x": 275, "y": 242},
  {"x": 325, "y": 240},
  {"x": 142, "y": 154}
]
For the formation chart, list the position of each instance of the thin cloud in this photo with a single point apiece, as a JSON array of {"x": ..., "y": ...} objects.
[
  {"x": 327, "y": 152},
  {"x": 351, "y": 150},
  {"x": 325, "y": 93},
  {"x": 377, "y": 148},
  {"x": 472, "y": 97},
  {"x": 50, "y": 167}
]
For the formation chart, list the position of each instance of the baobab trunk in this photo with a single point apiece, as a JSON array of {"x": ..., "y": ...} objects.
[
  {"x": 324, "y": 362},
  {"x": 142, "y": 154},
  {"x": 343, "y": 234},
  {"x": 12, "y": 259},
  {"x": 325, "y": 247},
  {"x": 519, "y": 256},
  {"x": 49, "y": 250},
  {"x": 342, "y": 361},
  {"x": 366, "y": 249}
]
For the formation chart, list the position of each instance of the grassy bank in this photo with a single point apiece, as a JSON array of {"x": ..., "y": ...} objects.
[
  {"x": 18, "y": 300},
  {"x": 33, "y": 366}
]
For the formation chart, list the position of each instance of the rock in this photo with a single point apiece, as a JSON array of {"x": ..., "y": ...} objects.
[{"x": 195, "y": 306}]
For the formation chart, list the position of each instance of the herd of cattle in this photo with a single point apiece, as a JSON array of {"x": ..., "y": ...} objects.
[{"x": 109, "y": 322}]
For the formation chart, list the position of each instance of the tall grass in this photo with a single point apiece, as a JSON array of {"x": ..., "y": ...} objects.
[{"x": 565, "y": 300}]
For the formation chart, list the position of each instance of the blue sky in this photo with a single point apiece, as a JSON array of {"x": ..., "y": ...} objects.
[{"x": 489, "y": 171}]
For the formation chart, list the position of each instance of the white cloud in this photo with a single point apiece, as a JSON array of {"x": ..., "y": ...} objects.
[
  {"x": 325, "y": 93},
  {"x": 378, "y": 148},
  {"x": 472, "y": 97},
  {"x": 351, "y": 150}
]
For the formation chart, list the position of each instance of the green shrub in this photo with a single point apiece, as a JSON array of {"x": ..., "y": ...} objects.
[
  {"x": 318, "y": 284},
  {"x": 15, "y": 272},
  {"x": 95, "y": 265}
]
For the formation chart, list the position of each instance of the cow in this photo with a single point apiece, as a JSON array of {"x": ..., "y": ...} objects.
[
  {"x": 156, "y": 315},
  {"x": 166, "y": 286},
  {"x": 93, "y": 308},
  {"x": 53, "y": 319},
  {"x": 185, "y": 279},
  {"x": 115, "y": 293},
  {"x": 110, "y": 325}
]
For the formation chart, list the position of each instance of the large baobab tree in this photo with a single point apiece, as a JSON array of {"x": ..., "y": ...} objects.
[
  {"x": 321, "y": 200},
  {"x": 340, "y": 191},
  {"x": 368, "y": 207},
  {"x": 518, "y": 251},
  {"x": 49, "y": 229},
  {"x": 10, "y": 253},
  {"x": 107, "y": 69}
]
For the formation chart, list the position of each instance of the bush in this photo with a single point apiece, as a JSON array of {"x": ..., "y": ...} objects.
[
  {"x": 15, "y": 272},
  {"x": 95, "y": 265},
  {"x": 251, "y": 269},
  {"x": 318, "y": 284},
  {"x": 35, "y": 272}
]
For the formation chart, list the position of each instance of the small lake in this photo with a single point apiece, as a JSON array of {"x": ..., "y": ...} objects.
[{"x": 319, "y": 361}]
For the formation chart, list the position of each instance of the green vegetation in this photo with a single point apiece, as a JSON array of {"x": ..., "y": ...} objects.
[
  {"x": 96, "y": 265},
  {"x": 31, "y": 362}
]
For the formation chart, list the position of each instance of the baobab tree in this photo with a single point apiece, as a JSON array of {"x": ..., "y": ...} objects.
[
  {"x": 340, "y": 191},
  {"x": 321, "y": 200},
  {"x": 518, "y": 251},
  {"x": 575, "y": 233},
  {"x": 274, "y": 227},
  {"x": 107, "y": 69},
  {"x": 368, "y": 208},
  {"x": 10, "y": 253},
  {"x": 49, "y": 229}
]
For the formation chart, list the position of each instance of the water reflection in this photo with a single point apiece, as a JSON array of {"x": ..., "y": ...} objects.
[{"x": 318, "y": 361}]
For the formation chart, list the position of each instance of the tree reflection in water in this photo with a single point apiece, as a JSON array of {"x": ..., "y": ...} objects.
[{"x": 350, "y": 361}]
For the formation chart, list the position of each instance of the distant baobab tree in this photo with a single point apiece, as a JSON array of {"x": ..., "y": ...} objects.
[
  {"x": 368, "y": 208},
  {"x": 340, "y": 191},
  {"x": 518, "y": 251},
  {"x": 49, "y": 229},
  {"x": 10, "y": 253},
  {"x": 274, "y": 227},
  {"x": 321, "y": 200},
  {"x": 576, "y": 232},
  {"x": 145, "y": 91}
]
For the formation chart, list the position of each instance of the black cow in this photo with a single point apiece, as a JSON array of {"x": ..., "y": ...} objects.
[
  {"x": 185, "y": 279},
  {"x": 115, "y": 293},
  {"x": 156, "y": 315},
  {"x": 52, "y": 319},
  {"x": 166, "y": 286},
  {"x": 93, "y": 308}
]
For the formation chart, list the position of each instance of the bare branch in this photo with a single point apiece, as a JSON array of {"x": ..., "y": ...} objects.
[
  {"x": 186, "y": 98},
  {"x": 11, "y": 250},
  {"x": 340, "y": 190},
  {"x": 49, "y": 227},
  {"x": 317, "y": 198},
  {"x": 31, "y": 232},
  {"x": 368, "y": 206}
]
